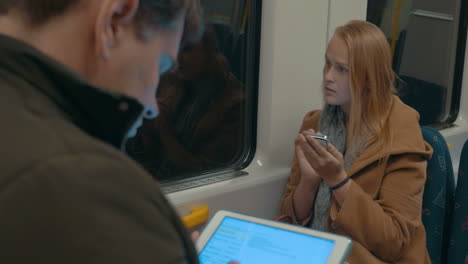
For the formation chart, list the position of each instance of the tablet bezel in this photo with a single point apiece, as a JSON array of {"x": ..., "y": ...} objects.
[{"x": 338, "y": 255}]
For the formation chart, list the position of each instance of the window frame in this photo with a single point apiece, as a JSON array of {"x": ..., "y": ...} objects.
[
  {"x": 252, "y": 82},
  {"x": 459, "y": 68}
]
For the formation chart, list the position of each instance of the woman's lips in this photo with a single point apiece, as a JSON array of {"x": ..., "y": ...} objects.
[{"x": 329, "y": 90}]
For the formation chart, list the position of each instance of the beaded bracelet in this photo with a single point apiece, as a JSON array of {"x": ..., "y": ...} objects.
[{"x": 341, "y": 184}]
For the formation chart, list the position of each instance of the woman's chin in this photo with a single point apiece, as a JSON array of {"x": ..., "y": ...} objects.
[{"x": 330, "y": 100}]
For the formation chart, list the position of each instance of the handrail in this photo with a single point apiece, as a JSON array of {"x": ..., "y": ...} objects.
[{"x": 434, "y": 15}]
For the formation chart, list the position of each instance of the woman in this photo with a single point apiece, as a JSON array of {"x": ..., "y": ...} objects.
[{"x": 368, "y": 182}]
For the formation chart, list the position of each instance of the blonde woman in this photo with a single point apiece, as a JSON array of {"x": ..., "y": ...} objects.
[{"x": 367, "y": 183}]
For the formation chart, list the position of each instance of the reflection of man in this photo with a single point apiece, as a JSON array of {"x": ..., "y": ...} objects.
[
  {"x": 200, "y": 126},
  {"x": 67, "y": 195}
]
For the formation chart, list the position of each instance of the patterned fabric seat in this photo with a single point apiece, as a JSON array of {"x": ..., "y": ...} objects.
[
  {"x": 458, "y": 247},
  {"x": 438, "y": 196}
]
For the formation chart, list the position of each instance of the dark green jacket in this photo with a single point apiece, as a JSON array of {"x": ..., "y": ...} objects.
[{"x": 67, "y": 193}]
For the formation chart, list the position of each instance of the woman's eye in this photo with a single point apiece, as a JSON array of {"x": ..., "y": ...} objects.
[{"x": 342, "y": 69}]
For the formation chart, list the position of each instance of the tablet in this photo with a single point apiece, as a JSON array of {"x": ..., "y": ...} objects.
[{"x": 231, "y": 236}]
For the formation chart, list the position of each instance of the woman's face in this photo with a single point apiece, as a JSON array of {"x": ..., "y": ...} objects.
[{"x": 336, "y": 85}]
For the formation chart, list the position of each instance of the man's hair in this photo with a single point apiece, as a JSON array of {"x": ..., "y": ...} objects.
[
  {"x": 151, "y": 13},
  {"x": 38, "y": 11}
]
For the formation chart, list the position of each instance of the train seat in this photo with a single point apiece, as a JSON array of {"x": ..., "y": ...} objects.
[
  {"x": 438, "y": 196},
  {"x": 458, "y": 246}
]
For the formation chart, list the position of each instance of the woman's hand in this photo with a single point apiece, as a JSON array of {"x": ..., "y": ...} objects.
[
  {"x": 328, "y": 163},
  {"x": 308, "y": 175}
]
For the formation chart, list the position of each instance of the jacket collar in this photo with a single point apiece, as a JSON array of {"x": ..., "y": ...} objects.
[
  {"x": 104, "y": 115},
  {"x": 404, "y": 139}
]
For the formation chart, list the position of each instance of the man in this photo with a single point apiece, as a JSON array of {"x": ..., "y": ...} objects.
[{"x": 76, "y": 78}]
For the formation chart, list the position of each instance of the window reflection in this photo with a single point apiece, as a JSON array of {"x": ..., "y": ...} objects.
[{"x": 200, "y": 125}]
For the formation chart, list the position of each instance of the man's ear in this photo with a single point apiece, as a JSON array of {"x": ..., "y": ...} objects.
[{"x": 113, "y": 20}]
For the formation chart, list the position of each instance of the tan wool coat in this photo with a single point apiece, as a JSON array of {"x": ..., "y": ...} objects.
[{"x": 382, "y": 210}]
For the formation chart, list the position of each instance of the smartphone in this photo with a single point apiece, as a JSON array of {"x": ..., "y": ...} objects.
[{"x": 322, "y": 139}]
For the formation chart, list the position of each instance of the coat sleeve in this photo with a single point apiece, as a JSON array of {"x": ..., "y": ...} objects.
[
  {"x": 222, "y": 147},
  {"x": 287, "y": 201},
  {"x": 386, "y": 226},
  {"x": 89, "y": 208}
]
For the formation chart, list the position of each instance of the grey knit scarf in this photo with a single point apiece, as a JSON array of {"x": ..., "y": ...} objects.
[{"x": 331, "y": 124}]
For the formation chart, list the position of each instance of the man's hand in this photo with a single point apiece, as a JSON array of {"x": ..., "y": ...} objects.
[{"x": 195, "y": 236}]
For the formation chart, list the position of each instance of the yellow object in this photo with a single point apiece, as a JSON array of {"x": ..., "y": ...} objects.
[
  {"x": 246, "y": 16},
  {"x": 396, "y": 26},
  {"x": 196, "y": 217},
  {"x": 221, "y": 16},
  {"x": 448, "y": 145}
]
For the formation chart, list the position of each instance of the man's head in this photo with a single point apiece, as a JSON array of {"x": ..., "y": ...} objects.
[{"x": 120, "y": 45}]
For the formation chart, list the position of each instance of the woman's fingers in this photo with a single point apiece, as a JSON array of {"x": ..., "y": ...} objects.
[
  {"x": 335, "y": 153},
  {"x": 309, "y": 131},
  {"x": 315, "y": 144},
  {"x": 299, "y": 153},
  {"x": 309, "y": 152}
]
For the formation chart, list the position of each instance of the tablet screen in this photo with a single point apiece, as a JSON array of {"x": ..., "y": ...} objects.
[{"x": 249, "y": 242}]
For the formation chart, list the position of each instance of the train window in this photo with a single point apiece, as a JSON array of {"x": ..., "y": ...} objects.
[
  {"x": 206, "y": 128},
  {"x": 428, "y": 40}
]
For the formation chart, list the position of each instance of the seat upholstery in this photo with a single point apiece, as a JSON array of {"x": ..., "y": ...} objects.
[
  {"x": 458, "y": 246},
  {"x": 438, "y": 196}
]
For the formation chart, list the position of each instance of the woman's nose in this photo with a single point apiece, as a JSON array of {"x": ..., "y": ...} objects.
[{"x": 328, "y": 76}]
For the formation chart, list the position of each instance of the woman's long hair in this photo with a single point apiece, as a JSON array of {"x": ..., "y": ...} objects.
[{"x": 372, "y": 85}]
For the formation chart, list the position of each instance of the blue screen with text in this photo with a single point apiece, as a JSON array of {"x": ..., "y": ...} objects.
[{"x": 247, "y": 242}]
